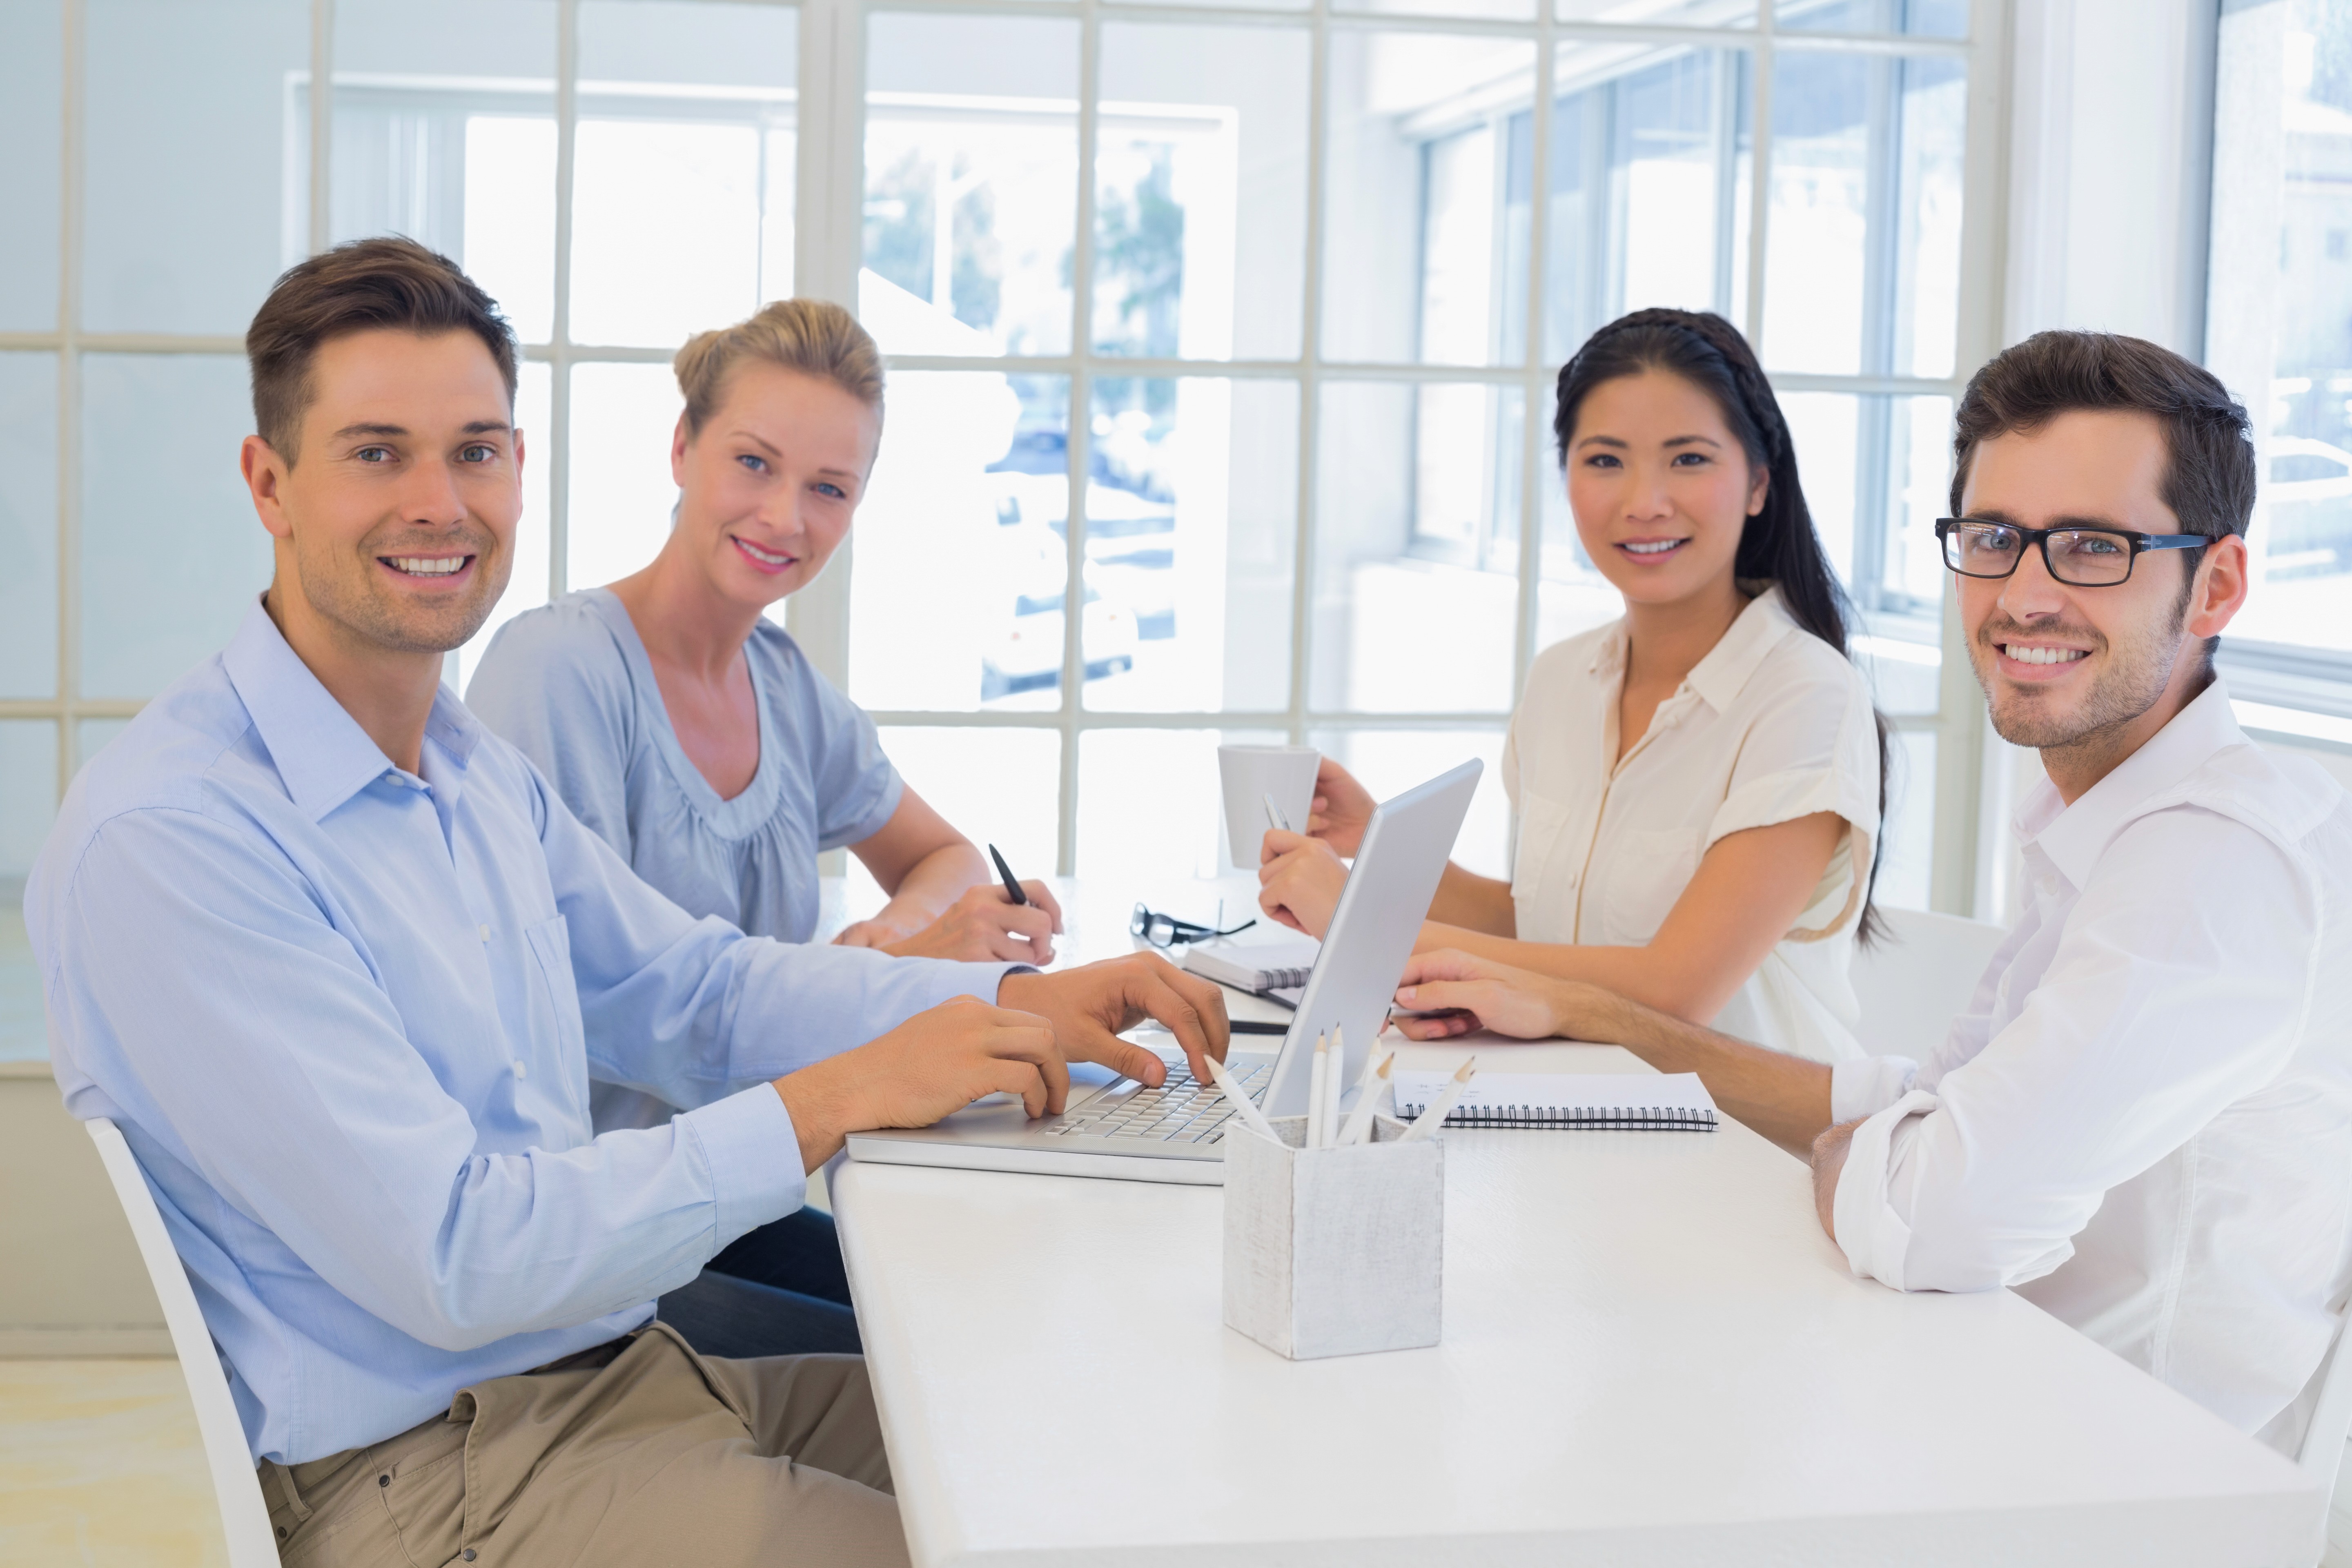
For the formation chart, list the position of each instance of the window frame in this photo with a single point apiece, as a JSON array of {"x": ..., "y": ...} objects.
[
  {"x": 2293, "y": 677},
  {"x": 834, "y": 32},
  {"x": 827, "y": 243}
]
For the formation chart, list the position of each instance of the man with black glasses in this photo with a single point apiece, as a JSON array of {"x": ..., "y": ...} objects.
[{"x": 2144, "y": 1119}]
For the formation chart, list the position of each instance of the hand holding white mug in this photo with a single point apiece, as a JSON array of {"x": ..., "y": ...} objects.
[
  {"x": 1253, "y": 778},
  {"x": 1343, "y": 809},
  {"x": 1299, "y": 880}
]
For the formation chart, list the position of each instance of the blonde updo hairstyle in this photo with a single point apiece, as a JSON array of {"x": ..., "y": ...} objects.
[{"x": 815, "y": 337}]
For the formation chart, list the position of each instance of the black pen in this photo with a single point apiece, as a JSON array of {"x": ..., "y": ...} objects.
[{"x": 1012, "y": 885}]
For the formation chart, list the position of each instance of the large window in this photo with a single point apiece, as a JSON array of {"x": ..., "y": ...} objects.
[
  {"x": 1221, "y": 345},
  {"x": 1238, "y": 334},
  {"x": 2279, "y": 330}
]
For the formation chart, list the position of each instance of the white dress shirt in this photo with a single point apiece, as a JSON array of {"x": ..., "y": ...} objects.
[
  {"x": 1773, "y": 724},
  {"x": 2144, "y": 1119}
]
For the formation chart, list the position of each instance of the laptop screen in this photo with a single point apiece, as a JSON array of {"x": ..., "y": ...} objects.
[{"x": 1381, "y": 912}]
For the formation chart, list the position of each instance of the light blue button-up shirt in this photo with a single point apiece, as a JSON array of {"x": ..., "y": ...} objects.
[{"x": 347, "y": 1017}]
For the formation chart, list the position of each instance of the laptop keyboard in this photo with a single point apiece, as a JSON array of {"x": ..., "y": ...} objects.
[{"x": 1178, "y": 1111}]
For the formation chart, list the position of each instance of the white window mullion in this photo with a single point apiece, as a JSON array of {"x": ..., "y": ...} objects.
[
  {"x": 1727, "y": 182},
  {"x": 828, "y": 249},
  {"x": 69, "y": 239},
  {"x": 322, "y": 123},
  {"x": 1310, "y": 355},
  {"x": 1080, "y": 440},
  {"x": 1759, "y": 170},
  {"x": 1534, "y": 383},
  {"x": 559, "y": 348},
  {"x": 1962, "y": 755}
]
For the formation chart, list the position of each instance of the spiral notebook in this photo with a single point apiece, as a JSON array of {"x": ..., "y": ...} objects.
[
  {"x": 1643, "y": 1103},
  {"x": 1274, "y": 964}
]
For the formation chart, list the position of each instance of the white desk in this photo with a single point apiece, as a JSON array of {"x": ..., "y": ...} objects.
[{"x": 1651, "y": 1357}]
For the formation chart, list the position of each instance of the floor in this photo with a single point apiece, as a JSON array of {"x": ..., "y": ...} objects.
[{"x": 101, "y": 1468}]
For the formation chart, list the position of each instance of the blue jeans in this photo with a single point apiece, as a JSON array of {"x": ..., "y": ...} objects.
[{"x": 780, "y": 1290}]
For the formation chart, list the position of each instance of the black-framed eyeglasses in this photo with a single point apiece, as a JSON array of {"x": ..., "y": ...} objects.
[
  {"x": 1166, "y": 931},
  {"x": 2078, "y": 557}
]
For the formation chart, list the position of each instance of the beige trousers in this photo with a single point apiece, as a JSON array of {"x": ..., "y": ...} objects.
[{"x": 638, "y": 1452}]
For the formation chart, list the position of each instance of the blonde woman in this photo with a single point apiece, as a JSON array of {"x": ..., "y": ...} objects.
[{"x": 693, "y": 736}]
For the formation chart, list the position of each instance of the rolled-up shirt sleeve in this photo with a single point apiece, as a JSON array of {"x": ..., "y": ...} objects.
[
  {"x": 2154, "y": 1015},
  {"x": 1864, "y": 1086},
  {"x": 1812, "y": 748}
]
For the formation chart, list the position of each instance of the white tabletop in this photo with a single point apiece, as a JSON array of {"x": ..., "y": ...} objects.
[{"x": 1652, "y": 1355}]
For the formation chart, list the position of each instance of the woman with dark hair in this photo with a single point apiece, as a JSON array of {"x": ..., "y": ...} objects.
[{"x": 1698, "y": 785}]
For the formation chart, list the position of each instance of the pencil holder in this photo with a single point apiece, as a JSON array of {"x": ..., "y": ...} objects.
[{"x": 1334, "y": 1251}]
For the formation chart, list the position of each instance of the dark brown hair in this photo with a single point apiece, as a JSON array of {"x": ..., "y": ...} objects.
[
  {"x": 387, "y": 281},
  {"x": 2208, "y": 442},
  {"x": 2208, "y": 472},
  {"x": 1778, "y": 544}
]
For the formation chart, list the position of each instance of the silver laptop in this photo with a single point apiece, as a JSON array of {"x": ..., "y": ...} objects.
[{"x": 1117, "y": 1127}]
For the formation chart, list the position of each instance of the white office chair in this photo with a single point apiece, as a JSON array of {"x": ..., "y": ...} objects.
[
  {"x": 2322, "y": 1456},
  {"x": 245, "y": 1518},
  {"x": 1912, "y": 984},
  {"x": 1915, "y": 980}
]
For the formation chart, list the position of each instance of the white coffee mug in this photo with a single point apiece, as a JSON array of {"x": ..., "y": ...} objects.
[{"x": 1256, "y": 775}]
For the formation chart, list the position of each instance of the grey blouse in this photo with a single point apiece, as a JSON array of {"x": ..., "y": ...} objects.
[{"x": 570, "y": 684}]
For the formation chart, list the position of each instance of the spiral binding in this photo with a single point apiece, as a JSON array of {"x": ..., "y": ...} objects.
[
  {"x": 1598, "y": 1118},
  {"x": 1283, "y": 979}
]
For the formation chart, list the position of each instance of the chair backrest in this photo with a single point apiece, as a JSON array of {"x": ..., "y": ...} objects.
[
  {"x": 245, "y": 1518},
  {"x": 1916, "y": 978},
  {"x": 1910, "y": 988},
  {"x": 2331, "y": 1418}
]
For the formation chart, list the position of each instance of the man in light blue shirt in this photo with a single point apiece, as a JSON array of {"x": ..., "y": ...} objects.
[{"x": 342, "y": 966}]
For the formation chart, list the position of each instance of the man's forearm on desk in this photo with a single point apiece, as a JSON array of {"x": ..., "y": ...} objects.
[{"x": 1785, "y": 1098}]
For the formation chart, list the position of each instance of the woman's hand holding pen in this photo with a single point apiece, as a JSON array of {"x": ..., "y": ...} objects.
[
  {"x": 981, "y": 926},
  {"x": 1299, "y": 880}
]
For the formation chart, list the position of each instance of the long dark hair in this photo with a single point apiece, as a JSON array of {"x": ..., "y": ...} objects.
[{"x": 1779, "y": 542}]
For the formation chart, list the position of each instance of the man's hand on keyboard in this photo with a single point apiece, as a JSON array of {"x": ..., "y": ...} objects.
[
  {"x": 937, "y": 1061},
  {"x": 1089, "y": 1005}
]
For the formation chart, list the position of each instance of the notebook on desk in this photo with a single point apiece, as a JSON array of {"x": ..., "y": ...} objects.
[
  {"x": 1642, "y": 1102},
  {"x": 1273, "y": 964}
]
